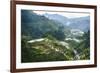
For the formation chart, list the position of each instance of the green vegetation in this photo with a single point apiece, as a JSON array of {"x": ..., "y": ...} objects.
[
  {"x": 53, "y": 46},
  {"x": 47, "y": 50}
]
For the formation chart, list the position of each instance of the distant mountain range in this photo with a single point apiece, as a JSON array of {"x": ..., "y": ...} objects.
[
  {"x": 82, "y": 23},
  {"x": 56, "y": 17},
  {"x": 36, "y": 26}
]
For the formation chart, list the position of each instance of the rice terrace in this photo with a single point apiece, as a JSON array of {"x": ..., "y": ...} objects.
[{"x": 54, "y": 36}]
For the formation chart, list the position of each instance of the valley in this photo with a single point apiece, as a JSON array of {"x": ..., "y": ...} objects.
[{"x": 52, "y": 37}]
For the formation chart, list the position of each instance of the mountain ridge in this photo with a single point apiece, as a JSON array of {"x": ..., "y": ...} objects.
[{"x": 82, "y": 23}]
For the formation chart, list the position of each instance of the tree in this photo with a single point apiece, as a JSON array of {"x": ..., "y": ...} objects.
[
  {"x": 59, "y": 34},
  {"x": 25, "y": 51},
  {"x": 84, "y": 47}
]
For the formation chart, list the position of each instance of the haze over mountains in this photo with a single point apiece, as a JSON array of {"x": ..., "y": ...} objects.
[
  {"x": 38, "y": 25},
  {"x": 53, "y": 37},
  {"x": 82, "y": 23}
]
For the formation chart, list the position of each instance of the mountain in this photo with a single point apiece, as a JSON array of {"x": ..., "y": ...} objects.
[
  {"x": 36, "y": 25},
  {"x": 81, "y": 23},
  {"x": 53, "y": 39},
  {"x": 56, "y": 17},
  {"x": 54, "y": 24}
]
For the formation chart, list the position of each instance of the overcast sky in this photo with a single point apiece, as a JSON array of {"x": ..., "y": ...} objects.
[{"x": 66, "y": 14}]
